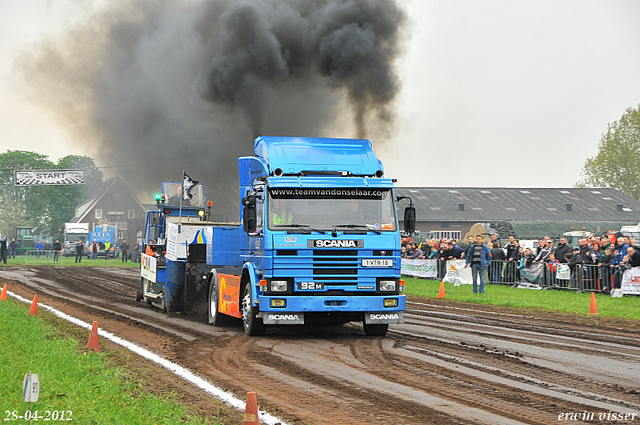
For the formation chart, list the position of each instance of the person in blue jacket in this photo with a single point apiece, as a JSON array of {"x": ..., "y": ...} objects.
[
  {"x": 479, "y": 256},
  {"x": 618, "y": 256}
]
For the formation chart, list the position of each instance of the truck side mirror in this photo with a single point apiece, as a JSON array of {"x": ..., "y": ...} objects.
[
  {"x": 249, "y": 219},
  {"x": 409, "y": 220},
  {"x": 249, "y": 201}
]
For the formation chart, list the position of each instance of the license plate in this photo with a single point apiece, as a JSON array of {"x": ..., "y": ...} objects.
[
  {"x": 386, "y": 262},
  {"x": 310, "y": 286}
]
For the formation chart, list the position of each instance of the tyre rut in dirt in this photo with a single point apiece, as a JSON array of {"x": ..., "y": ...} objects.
[{"x": 253, "y": 326}]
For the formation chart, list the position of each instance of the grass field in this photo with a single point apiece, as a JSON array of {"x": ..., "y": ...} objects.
[
  {"x": 565, "y": 301},
  {"x": 83, "y": 384},
  {"x": 21, "y": 260}
]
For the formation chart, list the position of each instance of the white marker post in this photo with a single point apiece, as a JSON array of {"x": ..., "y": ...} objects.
[{"x": 31, "y": 390}]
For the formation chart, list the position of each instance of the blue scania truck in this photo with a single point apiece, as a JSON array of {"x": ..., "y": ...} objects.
[{"x": 317, "y": 242}]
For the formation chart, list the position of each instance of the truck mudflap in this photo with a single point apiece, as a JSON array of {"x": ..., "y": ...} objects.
[
  {"x": 384, "y": 317},
  {"x": 269, "y": 318}
]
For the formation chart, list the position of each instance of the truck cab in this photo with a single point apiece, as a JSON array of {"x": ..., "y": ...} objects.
[
  {"x": 74, "y": 233},
  {"x": 323, "y": 243}
]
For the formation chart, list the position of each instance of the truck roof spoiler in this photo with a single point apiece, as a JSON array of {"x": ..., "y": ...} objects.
[{"x": 318, "y": 156}]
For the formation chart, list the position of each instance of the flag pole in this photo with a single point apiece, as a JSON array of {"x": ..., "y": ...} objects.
[{"x": 181, "y": 196}]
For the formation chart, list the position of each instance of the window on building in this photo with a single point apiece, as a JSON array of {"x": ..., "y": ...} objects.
[
  {"x": 99, "y": 213},
  {"x": 131, "y": 214}
]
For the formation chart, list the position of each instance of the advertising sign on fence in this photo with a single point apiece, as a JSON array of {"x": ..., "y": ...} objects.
[
  {"x": 419, "y": 268},
  {"x": 631, "y": 281},
  {"x": 563, "y": 272},
  {"x": 457, "y": 272}
]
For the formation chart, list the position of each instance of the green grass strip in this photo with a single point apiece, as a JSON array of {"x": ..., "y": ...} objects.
[
  {"x": 566, "y": 301},
  {"x": 21, "y": 260},
  {"x": 73, "y": 378}
]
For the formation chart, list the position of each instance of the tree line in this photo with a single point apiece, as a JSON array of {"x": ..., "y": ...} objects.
[
  {"x": 46, "y": 208},
  {"x": 617, "y": 163}
]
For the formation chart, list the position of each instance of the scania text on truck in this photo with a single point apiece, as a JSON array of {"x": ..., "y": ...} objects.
[{"x": 317, "y": 242}]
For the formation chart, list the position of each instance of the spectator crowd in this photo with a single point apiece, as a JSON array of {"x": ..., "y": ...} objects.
[{"x": 600, "y": 260}]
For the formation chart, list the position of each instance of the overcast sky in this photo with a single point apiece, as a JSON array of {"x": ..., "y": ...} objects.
[{"x": 494, "y": 93}]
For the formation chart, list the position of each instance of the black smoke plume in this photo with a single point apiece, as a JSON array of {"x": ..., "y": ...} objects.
[{"x": 155, "y": 87}]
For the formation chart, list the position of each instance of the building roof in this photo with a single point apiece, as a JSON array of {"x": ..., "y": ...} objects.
[
  {"x": 514, "y": 204},
  {"x": 83, "y": 209}
]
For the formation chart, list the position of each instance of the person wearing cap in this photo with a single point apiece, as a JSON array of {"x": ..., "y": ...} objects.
[{"x": 575, "y": 265}]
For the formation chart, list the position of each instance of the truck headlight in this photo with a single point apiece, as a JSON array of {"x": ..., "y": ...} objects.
[
  {"x": 388, "y": 285},
  {"x": 278, "y": 286}
]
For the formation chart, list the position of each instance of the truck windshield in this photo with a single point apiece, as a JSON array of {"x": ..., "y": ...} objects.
[
  {"x": 24, "y": 232},
  {"x": 76, "y": 237},
  {"x": 325, "y": 208}
]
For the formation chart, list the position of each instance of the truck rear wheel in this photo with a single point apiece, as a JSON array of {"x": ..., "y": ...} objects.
[
  {"x": 375, "y": 329},
  {"x": 253, "y": 326},
  {"x": 215, "y": 317}
]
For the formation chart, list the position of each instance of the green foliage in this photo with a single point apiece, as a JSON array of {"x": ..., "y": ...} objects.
[
  {"x": 617, "y": 163},
  {"x": 47, "y": 208},
  {"x": 504, "y": 229}
]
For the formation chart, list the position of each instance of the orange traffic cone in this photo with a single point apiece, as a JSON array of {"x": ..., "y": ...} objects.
[
  {"x": 3, "y": 296},
  {"x": 251, "y": 410},
  {"x": 441, "y": 293},
  {"x": 33, "y": 311},
  {"x": 93, "y": 338},
  {"x": 593, "y": 308}
]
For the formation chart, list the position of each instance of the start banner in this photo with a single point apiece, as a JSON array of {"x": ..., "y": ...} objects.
[
  {"x": 631, "y": 281},
  {"x": 48, "y": 177},
  {"x": 419, "y": 268}
]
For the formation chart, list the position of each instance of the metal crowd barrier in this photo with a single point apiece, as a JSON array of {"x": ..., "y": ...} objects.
[
  {"x": 43, "y": 256},
  {"x": 588, "y": 277},
  {"x": 503, "y": 272}
]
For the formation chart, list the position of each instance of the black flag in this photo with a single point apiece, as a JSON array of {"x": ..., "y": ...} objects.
[{"x": 187, "y": 184}]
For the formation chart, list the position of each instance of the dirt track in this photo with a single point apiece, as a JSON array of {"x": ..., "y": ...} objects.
[{"x": 448, "y": 364}]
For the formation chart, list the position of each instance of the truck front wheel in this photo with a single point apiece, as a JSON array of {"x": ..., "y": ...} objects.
[
  {"x": 253, "y": 325},
  {"x": 375, "y": 330}
]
